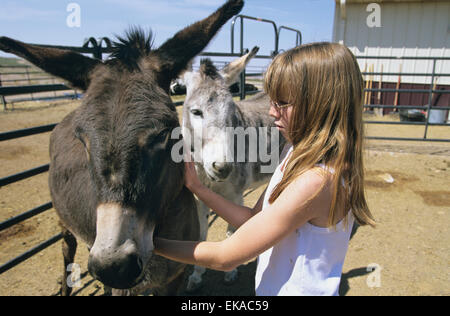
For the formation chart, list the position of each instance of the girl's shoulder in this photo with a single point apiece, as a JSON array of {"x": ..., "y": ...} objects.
[
  {"x": 316, "y": 186},
  {"x": 314, "y": 180}
]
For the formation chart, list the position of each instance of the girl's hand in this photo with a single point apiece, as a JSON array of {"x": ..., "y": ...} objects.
[{"x": 191, "y": 180}]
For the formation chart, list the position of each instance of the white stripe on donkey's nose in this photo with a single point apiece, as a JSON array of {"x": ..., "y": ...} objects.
[{"x": 115, "y": 225}]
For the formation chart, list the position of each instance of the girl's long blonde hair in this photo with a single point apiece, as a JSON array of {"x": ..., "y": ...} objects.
[{"x": 323, "y": 83}]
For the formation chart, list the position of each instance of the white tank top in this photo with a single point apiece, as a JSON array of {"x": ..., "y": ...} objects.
[{"x": 308, "y": 261}]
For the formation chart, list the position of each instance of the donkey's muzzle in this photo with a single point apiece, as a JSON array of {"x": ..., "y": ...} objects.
[{"x": 119, "y": 271}]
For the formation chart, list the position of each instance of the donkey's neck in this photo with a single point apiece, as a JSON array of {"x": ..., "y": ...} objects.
[{"x": 239, "y": 117}]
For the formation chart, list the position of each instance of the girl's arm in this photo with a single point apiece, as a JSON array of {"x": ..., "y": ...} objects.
[
  {"x": 259, "y": 233},
  {"x": 232, "y": 213}
]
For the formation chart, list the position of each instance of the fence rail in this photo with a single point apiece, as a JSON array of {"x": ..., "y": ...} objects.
[
  {"x": 24, "y": 175},
  {"x": 24, "y": 216},
  {"x": 7, "y": 91},
  {"x": 26, "y": 132},
  {"x": 28, "y": 254},
  {"x": 432, "y": 94}
]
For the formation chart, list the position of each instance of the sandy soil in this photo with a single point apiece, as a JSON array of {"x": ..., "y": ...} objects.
[{"x": 410, "y": 245}]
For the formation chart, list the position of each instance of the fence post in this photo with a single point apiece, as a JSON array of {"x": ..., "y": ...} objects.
[
  {"x": 29, "y": 81},
  {"x": 242, "y": 54},
  {"x": 430, "y": 98},
  {"x": 2, "y": 97}
]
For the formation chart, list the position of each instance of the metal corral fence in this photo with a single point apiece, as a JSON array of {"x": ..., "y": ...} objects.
[
  {"x": 418, "y": 104},
  {"x": 16, "y": 75},
  {"x": 28, "y": 73},
  {"x": 97, "y": 49}
]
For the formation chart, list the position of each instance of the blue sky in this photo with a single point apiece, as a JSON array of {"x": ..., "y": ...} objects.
[{"x": 44, "y": 21}]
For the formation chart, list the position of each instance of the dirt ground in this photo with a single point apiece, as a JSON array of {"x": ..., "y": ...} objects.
[{"x": 409, "y": 247}]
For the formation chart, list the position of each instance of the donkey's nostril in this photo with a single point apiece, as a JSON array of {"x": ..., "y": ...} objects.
[
  {"x": 218, "y": 167},
  {"x": 119, "y": 273},
  {"x": 222, "y": 169},
  {"x": 132, "y": 267}
]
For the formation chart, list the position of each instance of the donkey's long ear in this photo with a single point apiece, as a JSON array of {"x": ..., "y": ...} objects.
[
  {"x": 175, "y": 54},
  {"x": 231, "y": 72},
  {"x": 68, "y": 65}
]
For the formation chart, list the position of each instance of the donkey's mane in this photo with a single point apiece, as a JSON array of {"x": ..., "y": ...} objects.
[
  {"x": 208, "y": 69},
  {"x": 129, "y": 49}
]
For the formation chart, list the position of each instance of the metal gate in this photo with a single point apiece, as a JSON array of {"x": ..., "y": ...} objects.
[{"x": 433, "y": 94}]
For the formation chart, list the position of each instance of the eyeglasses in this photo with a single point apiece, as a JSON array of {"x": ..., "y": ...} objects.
[{"x": 279, "y": 106}]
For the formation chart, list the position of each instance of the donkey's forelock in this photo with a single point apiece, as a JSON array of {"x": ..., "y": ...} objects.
[
  {"x": 208, "y": 69},
  {"x": 129, "y": 49}
]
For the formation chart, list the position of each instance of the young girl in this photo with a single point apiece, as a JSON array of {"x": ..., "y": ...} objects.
[{"x": 301, "y": 225}]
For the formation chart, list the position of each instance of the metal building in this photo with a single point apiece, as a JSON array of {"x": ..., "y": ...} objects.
[
  {"x": 416, "y": 28},
  {"x": 398, "y": 28}
]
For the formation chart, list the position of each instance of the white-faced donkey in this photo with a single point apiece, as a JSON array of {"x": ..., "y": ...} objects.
[{"x": 235, "y": 144}]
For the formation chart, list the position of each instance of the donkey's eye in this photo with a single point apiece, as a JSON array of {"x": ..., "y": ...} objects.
[
  {"x": 197, "y": 113},
  {"x": 81, "y": 137},
  {"x": 158, "y": 141},
  {"x": 155, "y": 139},
  {"x": 85, "y": 141}
]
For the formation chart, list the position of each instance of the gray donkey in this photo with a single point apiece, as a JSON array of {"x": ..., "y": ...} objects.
[
  {"x": 212, "y": 125},
  {"x": 112, "y": 178}
]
